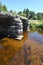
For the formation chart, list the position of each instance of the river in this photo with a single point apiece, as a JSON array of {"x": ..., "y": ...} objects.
[
  {"x": 36, "y": 36},
  {"x": 15, "y": 52}
]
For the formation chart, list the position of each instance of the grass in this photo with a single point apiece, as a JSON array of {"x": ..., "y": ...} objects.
[
  {"x": 36, "y": 24},
  {"x": 36, "y": 21}
]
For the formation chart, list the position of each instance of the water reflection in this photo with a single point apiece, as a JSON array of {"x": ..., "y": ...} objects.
[{"x": 36, "y": 36}]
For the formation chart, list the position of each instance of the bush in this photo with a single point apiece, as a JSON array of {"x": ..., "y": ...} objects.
[
  {"x": 32, "y": 26},
  {"x": 40, "y": 26},
  {"x": 35, "y": 26}
]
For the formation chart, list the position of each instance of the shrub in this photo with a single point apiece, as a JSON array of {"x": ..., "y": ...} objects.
[{"x": 32, "y": 26}]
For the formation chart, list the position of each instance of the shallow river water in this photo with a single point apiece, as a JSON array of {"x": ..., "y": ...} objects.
[
  {"x": 15, "y": 52},
  {"x": 36, "y": 36}
]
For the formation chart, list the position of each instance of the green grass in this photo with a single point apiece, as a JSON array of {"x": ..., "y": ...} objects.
[{"x": 36, "y": 24}]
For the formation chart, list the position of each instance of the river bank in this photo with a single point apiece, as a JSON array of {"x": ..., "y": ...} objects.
[{"x": 36, "y": 24}]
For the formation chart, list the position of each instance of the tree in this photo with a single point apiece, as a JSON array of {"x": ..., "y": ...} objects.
[
  {"x": 27, "y": 12},
  {"x": 32, "y": 14},
  {"x": 39, "y": 16},
  {"x": 11, "y": 11},
  {"x": 4, "y": 8},
  {"x": 19, "y": 13},
  {"x": 24, "y": 11},
  {"x": 0, "y": 6}
]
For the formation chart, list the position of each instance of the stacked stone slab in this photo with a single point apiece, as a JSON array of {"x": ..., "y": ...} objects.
[
  {"x": 15, "y": 28},
  {"x": 10, "y": 25},
  {"x": 25, "y": 23}
]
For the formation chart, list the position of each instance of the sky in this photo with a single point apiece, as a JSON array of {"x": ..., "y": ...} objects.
[{"x": 19, "y": 5}]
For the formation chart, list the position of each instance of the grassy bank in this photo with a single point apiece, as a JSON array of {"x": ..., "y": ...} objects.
[{"x": 36, "y": 24}]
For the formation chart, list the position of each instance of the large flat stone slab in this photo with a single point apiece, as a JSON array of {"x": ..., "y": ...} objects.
[{"x": 19, "y": 37}]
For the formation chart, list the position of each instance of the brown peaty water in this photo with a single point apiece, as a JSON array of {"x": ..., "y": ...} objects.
[{"x": 28, "y": 51}]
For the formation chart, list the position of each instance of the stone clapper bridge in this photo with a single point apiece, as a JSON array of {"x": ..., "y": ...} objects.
[{"x": 13, "y": 25}]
